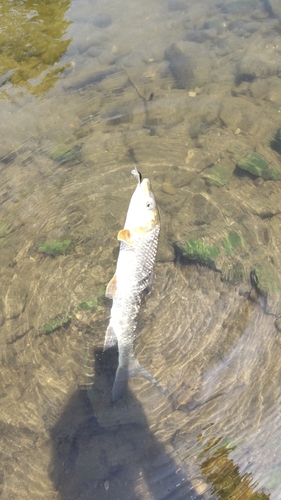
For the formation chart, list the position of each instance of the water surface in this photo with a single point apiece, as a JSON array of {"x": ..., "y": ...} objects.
[{"x": 191, "y": 95}]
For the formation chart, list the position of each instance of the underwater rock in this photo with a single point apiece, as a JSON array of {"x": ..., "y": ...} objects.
[
  {"x": 8, "y": 158},
  {"x": 258, "y": 62},
  {"x": 276, "y": 142},
  {"x": 219, "y": 174},
  {"x": 66, "y": 154},
  {"x": 102, "y": 20},
  {"x": 221, "y": 253},
  {"x": 257, "y": 165},
  {"x": 273, "y": 7},
  {"x": 55, "y": 247},
  {"x": 181, "y": 67},
  {"x": 176, "y": 5}
]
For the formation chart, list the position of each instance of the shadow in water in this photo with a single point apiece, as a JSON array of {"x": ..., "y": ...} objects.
[{"x": 105, "y": 451}]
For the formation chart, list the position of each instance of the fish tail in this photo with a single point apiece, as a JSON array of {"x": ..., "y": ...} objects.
[
  {"x": 120, "y": 383},
  {"x": 124, "y": 373}
]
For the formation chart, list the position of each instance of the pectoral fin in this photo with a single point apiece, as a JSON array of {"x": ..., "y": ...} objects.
[
  {"x": 110, "y": 338},
  {"x": 111, "y": 288},
  {"x": 125, "y": 235}
]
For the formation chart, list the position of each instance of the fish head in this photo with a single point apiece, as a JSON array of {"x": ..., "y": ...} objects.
[{"x": 143, "y": 215}]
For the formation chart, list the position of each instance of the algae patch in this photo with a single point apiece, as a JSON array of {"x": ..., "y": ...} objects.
[
  {"x": 220, "y": 470},
  {"x": 66, "y": 154},
  {"x": 61, "y": 320},
  {"x": 207, "y": 254},
  {"x": 219, "y": 174},
  {"x": 232, "y": 241},
  {"x": 5, "y": 229},
  {"x": 257, "y": 165},
  {"x": 197, "y": 250},
  {"x": 55, "y": 247}
]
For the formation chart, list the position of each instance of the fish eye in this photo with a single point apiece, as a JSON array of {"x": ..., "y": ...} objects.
[{"x": 150, "y": 205}]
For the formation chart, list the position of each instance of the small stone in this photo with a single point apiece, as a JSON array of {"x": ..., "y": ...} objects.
[
  {"x": 106, "y": 485},
  {"x": 102, "y": 20},
  {"x": 237, "y": 131},
  {"x": 189, "y": 155},
  {"x": 168, "y": 188},
  {"x": 192, "y": 94}
]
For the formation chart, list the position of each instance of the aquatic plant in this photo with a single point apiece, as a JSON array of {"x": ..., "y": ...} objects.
[
  {"x": 232, "y": 241},
  {"x": 197, "y": 250},
  {"x": 257, "y": 165},
  {"x": 55, "y": 247},
  {"x": 4, "y": 229},
  {"x": 33, "y": 41},
  {"x": 219, "y": 174},
  {"x": 220, "y": 470},
  {"x": 62, "y": 320},
  {"x": 65, "y": 154}
]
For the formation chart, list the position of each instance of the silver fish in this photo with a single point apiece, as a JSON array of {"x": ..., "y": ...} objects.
[{"x": 131, "y": 281}]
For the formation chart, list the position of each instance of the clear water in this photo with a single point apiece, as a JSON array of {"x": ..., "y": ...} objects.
[{"x": 190, "y": 93}]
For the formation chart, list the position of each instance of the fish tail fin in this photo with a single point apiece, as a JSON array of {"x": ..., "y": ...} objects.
[
  {"x": 120, "y": 383},
  {"x": 124, "y": 373},
  {"x": 110, "y": 338}
]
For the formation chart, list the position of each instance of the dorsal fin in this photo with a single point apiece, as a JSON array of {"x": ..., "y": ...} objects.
[
  {"x": 125, "y": 235},
  {"x": 111, "y": 288}
]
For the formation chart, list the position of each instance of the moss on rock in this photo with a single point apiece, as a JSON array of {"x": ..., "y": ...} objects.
[
  {"x": 55, "y": 247},
  {"x": 219, "y": 174},
  {"x": 256, "y": 164}
]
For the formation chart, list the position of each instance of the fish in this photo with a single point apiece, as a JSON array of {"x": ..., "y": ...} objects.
[{"x": 132, "y": 281}]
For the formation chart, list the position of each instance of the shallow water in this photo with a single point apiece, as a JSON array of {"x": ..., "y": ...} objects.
[{"x": 191, "y": 95}]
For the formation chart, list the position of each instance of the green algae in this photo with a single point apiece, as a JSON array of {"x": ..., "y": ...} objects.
[
  {"x": 219, "y": 174},
  {"x": 208, "y": 254},
  {"x": 32, "y": 43},
  {"x": 232, "y": 241},
  {"x": 65, "y": 154},
  {"x": 5, "y": 229},
  {"x": 198, "y": 250},
  {"x": 267, "y": 279},
  {"x": 221, "y": 471},
  {"x": 257, "y": 165},
  {"x": 56, "y": 248},
  {"x": 63, "y": 320}
]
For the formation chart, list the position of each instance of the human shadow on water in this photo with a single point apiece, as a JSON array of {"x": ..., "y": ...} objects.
[{"x": 106, "y": 451}]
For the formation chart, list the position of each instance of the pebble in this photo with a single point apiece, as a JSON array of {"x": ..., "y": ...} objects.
[
  {"x": 102, "y": 20},
  {"x": 168, "y": 188},
  {"x": 192, "y": 94},
  {"x": 189, "y": 155}
]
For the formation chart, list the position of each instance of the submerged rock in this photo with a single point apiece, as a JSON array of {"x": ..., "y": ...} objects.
[
  {"x": 180, "y": 66},
  {"x": 276, "y": 142},
  {"x": 257, "y": 165},
  {"x": 273, "y": 7},
  {"x": 219, "y": 254},
  {"x": 66, "y": 154},
  {"x": 219, "y": 174},
  {"x": 102, "y": 20},
  {"x": 55, "y": 247}
]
